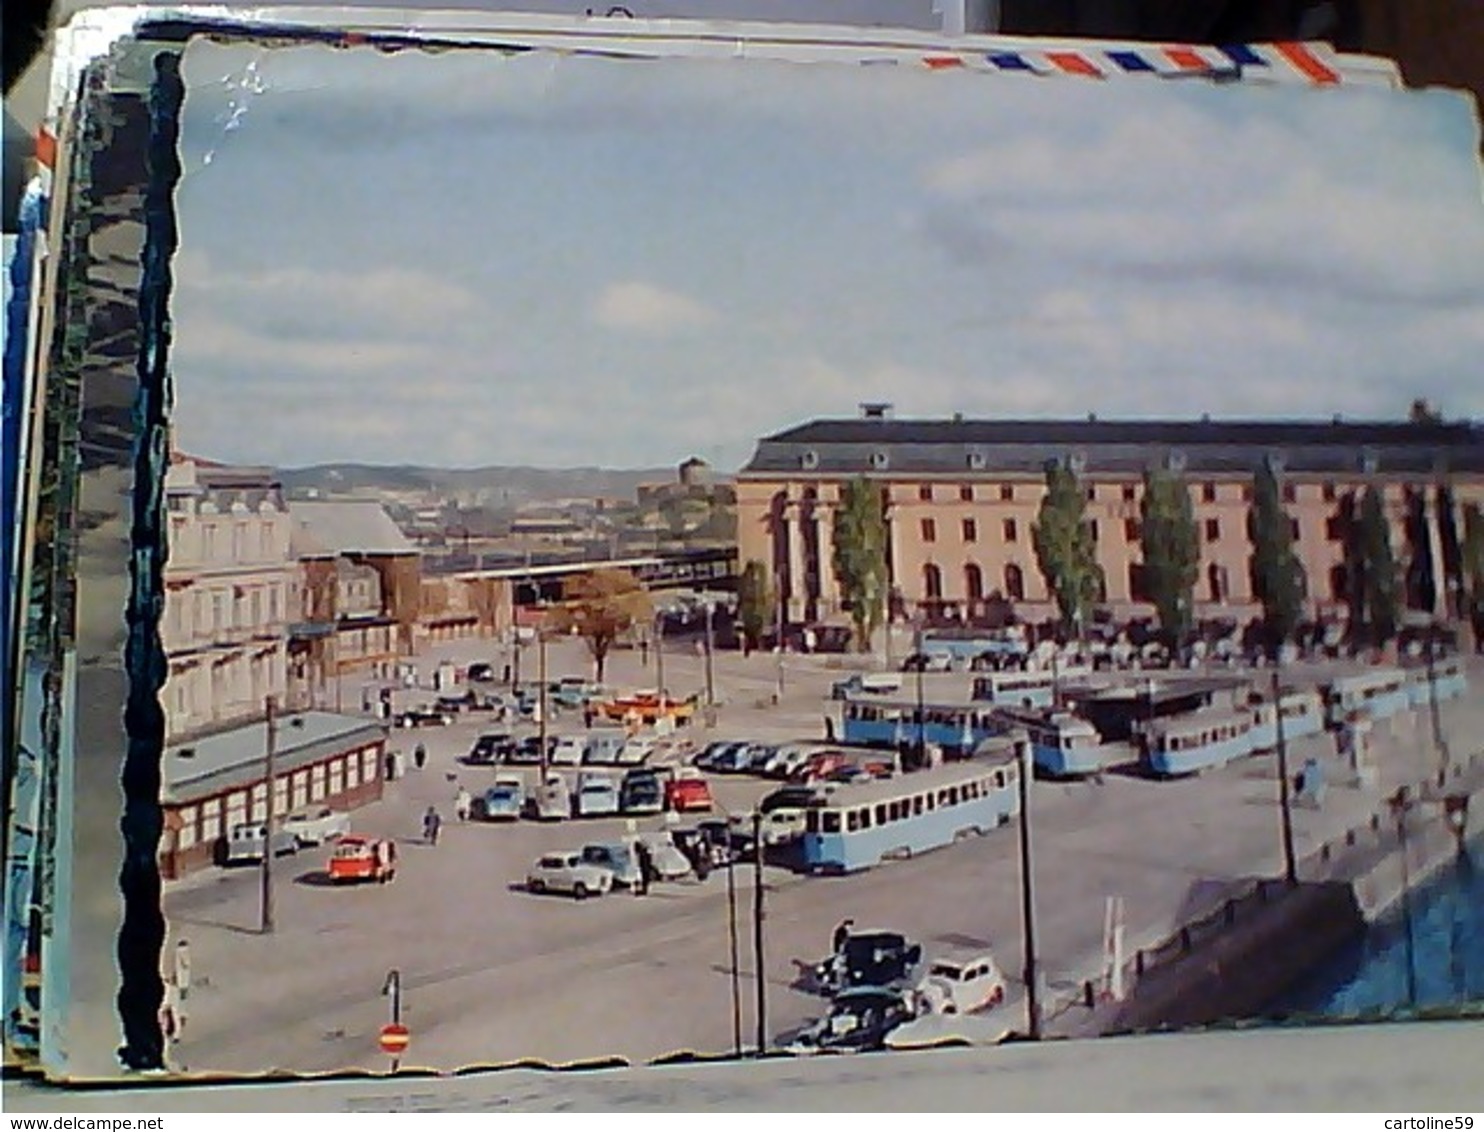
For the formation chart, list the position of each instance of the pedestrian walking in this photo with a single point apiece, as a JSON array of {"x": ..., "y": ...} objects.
[
  {"x": 829, "y": 729},
  {"x": 644, "y": 651},
  {"x": 419, "y": 756},
  {"x": 588, "y": 715},
  {"x": 431, "y": 824},
  {"x": 645, "y": 861},
  {"x": 462, "y": 803}
]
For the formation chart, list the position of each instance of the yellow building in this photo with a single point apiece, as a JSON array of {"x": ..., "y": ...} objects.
[{"x": 962, "y": 498}]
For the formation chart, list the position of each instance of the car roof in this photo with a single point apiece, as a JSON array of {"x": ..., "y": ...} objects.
[{"x": 857, "y": 995}]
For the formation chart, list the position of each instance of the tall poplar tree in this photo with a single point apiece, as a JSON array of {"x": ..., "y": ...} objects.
[
  {"x": 1277, "y": 572},
  {"x": 1172, "y": 552},
  {"x": 1066, "y": 551},
  {"x": 860, "y": 556}
]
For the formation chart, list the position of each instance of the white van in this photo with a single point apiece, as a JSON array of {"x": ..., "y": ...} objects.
[{"x": 868, "y": 684}]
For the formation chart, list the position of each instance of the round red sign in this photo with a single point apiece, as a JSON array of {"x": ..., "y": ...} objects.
[{"x": 395, "y": 1038}]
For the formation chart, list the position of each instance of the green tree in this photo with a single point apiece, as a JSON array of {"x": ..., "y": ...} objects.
[
  {"x": 860, "y": 556},
  {"x": 1423, "y": 413},
  {"x": 754, "y": 602},
  {"x": 1066, "y": 551},
  {"x": 1171, "y": 550},
  {"x": 601, "y": 606},
  {"x": 1277, "y": 572},
  {"x": 1379, "y": 600}
]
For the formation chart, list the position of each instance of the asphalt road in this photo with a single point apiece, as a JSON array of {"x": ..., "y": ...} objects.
[{"x": 492, "y": 974}]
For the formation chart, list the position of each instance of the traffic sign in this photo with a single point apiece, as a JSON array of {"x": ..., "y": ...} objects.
[{"x": 395, "y": 1038}]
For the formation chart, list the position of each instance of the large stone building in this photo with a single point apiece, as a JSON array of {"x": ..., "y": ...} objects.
[
  {"x": 962, "y": 498},
  {"x": 228, "y": 581}
]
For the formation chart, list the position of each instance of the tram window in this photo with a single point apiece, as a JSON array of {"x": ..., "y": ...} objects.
[
  {"x": 930, "y": 806},
  {"x": 999, "y": 778},
  {"x": 881, "y": 818},
  {"x": 953, "y": 795},
  {"x": 917, "y": 804},
  {"x": 852, "y": 821},
  {"x": 832, "y": 821},
  {"x": 942, "y": 797},
  {"x": 811, "y": 821},
  {"x": 865, "y": 817}
]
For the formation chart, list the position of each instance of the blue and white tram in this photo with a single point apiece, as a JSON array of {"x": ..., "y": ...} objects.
[
  {"x": 1023, "y": 689},
  {"x": 1063, "y": 745},
  {"x": 1187, "y": 744},
  {"x": 859, "y": 826},
  {"x": 1303, "y": 716},
  {"x": 1447, "y": 681},
  {"x": 891, "y": 723},
  {"x": 1379, "y": 694}
]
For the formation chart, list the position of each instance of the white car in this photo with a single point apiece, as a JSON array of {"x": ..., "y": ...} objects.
[
  {"x": 568, "y": 751},
  {"x": 961, "y": 985},
  {"x": 317, "y": 825},
  {"x": 568, "y": 872}
]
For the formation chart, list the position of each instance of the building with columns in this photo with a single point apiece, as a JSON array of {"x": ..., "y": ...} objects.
[
  {"x": 962, "y": 497},
  {"x": 228, "y": 580}
]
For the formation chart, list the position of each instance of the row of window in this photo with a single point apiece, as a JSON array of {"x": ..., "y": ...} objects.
[
  {"x": 211, "y": 819},
  {"x": 1204, "y": 738},
  {"x": 1010, "y": 530},
  {"x": 859, "y": 818},
  {"x": 230, "y": 541},
  {"x": 927, "y": 492},
  {"x": 869, "y": 713}
]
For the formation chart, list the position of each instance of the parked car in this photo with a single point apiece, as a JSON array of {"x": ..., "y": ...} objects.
[
  {"x": 603, "y": 748},
  {"x": 867, "y": 684},
  {"x": 425, "y": 716},
  {"x": 732, "y": 759},
  {"x": 641, "y": 792},
  {"x": 317, "y": 825},
  {"x": 550, "y": 801},
  {"x": 759, "y": 755},
  {"x": 504, "y": 801},
  {"x": 928, "y": 662},
  {"x": 961, "y": 984},
  {"x": 528, "y": 751},
  {"x": 818, "y": 767},
  {"x": 568, "y": 750},
  {"x": 244, "y": 843},
  {"x": 453, "y": 704},
  {"x": 708, "y": 754},
  {"x": 490, "y": 749},
  {"x": 481, "y": 673},
  {"x": 859, "y": 1020},
  {"x": 359, "y": 858},
  {"x": 617, "y": 859},
  {"x": 568, "y": 872},
  {"x": 786, "y": 759},
  {"x": 870, "y": 959},
  {"x": 595, "y": 795},
  {"x": 688, "y": 794},
  {"x": 635, "y": 752},
  {"x": 668, "y": 862}
]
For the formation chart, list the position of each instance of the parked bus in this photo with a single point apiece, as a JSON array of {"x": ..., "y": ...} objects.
[{"x": 859, "y": 826}]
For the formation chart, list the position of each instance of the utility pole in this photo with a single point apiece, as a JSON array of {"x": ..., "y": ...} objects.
[
  {"x": 757, "y": 933},
  {"x": 1028, "y": 890},
  {"x": 265, "y": 923},
  {"x": 541, "y": 705},
  {"x": 920, "y": 661},
  {"x": 1285, "y": 793},
  {"x": 1440, "y": 744},
  {"x": 659, "y": 656},
  {"x": 1400, "y": 805},
  {"x": 736, "y": 959},
  {"x": 710, "y": 644}
]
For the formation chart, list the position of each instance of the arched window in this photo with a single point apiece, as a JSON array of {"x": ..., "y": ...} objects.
[
  {"x": 1216, "y": 582},
  {"x": 932, "y": 582},
  {"x": 1339, "y": 583},
  {"x": 974, "y": 582},
  {"x": 1014, "y": 583}
]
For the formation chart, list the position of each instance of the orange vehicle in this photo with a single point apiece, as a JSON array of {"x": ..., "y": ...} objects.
[
  {"x": 686, "y": 794},
  {"x": 648, "y": 707},
  {"x": 358, "y": 858}
]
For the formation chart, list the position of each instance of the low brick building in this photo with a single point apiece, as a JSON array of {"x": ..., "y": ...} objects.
[{"x": 216, "y": 782}]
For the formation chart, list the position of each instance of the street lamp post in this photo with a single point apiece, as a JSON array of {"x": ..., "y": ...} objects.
[
  {"x": 541, "y": 703},
  {"x": 1285, "y": 793},
  {"x": 920, "y": 662},
  {"x": 779, "y": 643},
  {"x": 1401, "y": 805},
  {"x": 659, "y": 655},
  {"x": 710, "y": 645},
  {"x": 1028, "y": 889},
  {"x": 758, "y": 915},
  {"x": 736, "y": 963},
  {"x": 270, "y": 755}
]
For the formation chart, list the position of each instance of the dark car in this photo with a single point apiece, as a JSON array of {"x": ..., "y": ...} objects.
[
  {"x": 859, "y": 1020},
  {"x": 453, "y": 704},
  {"x": 424, "y": 717},
  {"x": 481, "y": 673},
  {"x": 489, "y": 750},
  {"x": 641, "y": 792},
  {"x": 870, "y": 959},
  {"x": 528, "y": 750}
]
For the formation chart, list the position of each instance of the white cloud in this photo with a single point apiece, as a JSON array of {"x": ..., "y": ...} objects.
[{"x": 637, "y": 307}]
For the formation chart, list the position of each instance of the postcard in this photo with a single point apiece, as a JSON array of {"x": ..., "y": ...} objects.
[{"x": 587, "y": 546}]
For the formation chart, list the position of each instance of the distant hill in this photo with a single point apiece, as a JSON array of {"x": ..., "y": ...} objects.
[{"x": 494, "y": 487}]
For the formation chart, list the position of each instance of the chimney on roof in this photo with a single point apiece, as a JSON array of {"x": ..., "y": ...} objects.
[
  {"x": 1092, "y": 418},
  {"x": 876, "y": 410},
  {"x": 958, "y": 418},
  {"x": 1338, "y": 419},
  {"x": 1205, "y": 418}
]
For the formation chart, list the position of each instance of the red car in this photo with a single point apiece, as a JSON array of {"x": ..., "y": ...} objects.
[
  {"x": 684, "y": 795},
  {"x": 818, "y": 767}
]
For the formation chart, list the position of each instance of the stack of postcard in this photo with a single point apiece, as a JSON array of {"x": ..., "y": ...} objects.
[{"x": 574, "y": 540}]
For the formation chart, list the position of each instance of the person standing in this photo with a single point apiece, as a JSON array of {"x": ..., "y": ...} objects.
[
  {"x": 462, "y": 803},
  {"x": 431, "y": 822},
  {"x": 645, "y": 862},
  {"x": 842, "y": 935},
  {"x": 419, "y": 756}
]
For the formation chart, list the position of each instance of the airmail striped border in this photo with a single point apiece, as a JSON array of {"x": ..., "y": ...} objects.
[{"x": 1301, "y": 62}]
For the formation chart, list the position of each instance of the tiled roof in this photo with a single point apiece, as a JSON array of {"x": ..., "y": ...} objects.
[{"x": 965, "y": 447}]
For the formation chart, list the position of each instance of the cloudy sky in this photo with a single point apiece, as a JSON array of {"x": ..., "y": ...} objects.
[{"x": 466, "y": 260}]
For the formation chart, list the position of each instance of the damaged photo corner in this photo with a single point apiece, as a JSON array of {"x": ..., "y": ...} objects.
[{"x": 691, "y": 539}]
